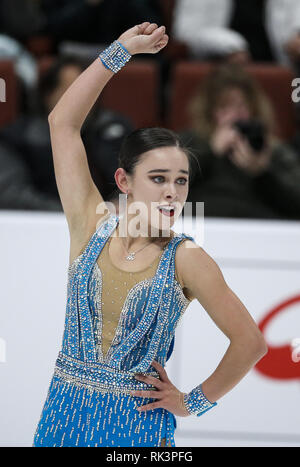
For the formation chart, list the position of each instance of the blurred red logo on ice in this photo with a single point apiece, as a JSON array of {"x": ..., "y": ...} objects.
[{"x": 278, "y": 362}]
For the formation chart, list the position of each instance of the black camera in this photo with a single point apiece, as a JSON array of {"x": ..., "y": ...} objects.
[{"x": 254, "y": 131}]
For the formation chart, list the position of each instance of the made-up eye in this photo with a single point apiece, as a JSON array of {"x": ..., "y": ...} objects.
[{"x": 183, "y": 180}]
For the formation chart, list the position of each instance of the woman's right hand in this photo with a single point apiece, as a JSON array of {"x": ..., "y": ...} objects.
[
  {"x": 144, "y": 38},
  {"x": 223, "y": 139},
  {"x": 252, "y": 162}
]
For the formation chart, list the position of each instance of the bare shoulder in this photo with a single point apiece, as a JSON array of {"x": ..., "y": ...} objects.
[
  {"x": 204, "y": 280},
  {"x": 195, "y": 267},
  {"x": 186, "y": 251}
]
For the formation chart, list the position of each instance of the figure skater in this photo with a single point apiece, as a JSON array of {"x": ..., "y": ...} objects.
[{"x": 129, "y": 285}]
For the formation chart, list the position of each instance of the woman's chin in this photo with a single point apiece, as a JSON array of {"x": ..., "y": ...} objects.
[{"x": 161, "y": 228}]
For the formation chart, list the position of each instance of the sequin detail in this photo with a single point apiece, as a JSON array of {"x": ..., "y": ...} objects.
[
  {"x": 88, "y": 401},
  {"x": 115, "y": 56},
  {"x": 196, "y": 402}
]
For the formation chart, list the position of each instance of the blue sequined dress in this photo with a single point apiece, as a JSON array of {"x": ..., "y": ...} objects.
[{"x": 88, "y": 402}]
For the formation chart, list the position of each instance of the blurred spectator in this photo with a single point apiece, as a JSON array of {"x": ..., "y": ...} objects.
[
  {"x": 25, "y": 67},
  {"x": 17, "y": 190},
  {"x": 246, "y": 171},
  {"x": 264, "y": 30},
  {"x": 98, "y": 21},
  {"x": 21, "y": 18},
  {"x": 29, "y": 137}
]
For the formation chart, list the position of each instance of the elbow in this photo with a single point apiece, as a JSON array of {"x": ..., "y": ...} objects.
[
  {"x": 253, "y": 345},
  {"x": 262, "y": 348},
  {"x": 259, "y": 345},
  {"x": 56, "y": 114},
  {"x": 55, "y": 121},
  {"x": 52, "y": 118}
]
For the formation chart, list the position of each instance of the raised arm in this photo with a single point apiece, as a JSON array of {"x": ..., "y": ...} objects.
[{"x": 78, "y": 193}]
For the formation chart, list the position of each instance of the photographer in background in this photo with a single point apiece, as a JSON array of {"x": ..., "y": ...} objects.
[{"x": 245, "y": 171}]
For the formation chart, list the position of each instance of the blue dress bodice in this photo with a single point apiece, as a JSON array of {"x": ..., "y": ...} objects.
[
  {"x": 149, "y": 316},
  {"x": 89, "y": 400}
]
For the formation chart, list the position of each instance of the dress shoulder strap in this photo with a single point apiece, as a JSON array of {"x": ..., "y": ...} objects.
[{"x": 162, "y": 305}]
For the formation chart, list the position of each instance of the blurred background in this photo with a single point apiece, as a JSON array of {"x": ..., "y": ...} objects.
[
  {"x": 227, "y": 72},
  {"x": 225, "y": 83}
]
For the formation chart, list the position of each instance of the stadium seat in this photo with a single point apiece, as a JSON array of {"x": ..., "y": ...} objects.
[{"x": 134, "y": 92}]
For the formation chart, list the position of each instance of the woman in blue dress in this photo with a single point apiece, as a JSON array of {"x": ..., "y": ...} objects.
[{"x": 129, "y": 281}]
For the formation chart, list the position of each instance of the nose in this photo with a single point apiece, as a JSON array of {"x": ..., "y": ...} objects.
[{"x": 171, "y": 193}]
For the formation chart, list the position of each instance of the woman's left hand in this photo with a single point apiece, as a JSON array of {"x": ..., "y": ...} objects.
[{"x": 167, "y": 395}]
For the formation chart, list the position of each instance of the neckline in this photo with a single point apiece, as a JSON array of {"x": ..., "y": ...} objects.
[
  {"x": 133, "y": 272},
  {"x": 159, "y": 257}
]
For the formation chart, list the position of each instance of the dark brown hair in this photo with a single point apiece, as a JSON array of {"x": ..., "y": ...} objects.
[
  {"x": 218, "y": 81},
  {"x": 139, "y": 141}
]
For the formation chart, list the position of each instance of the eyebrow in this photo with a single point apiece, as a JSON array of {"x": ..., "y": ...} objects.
[{"x": 166, "y": 170}]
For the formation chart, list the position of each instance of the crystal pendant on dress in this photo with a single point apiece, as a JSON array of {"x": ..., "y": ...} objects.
[{"x": 130, "y": 257}]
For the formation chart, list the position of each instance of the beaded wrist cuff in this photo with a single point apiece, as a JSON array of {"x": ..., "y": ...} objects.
[
  {"x": 196, "y": 403},
  {"x": 115, "y": 56}
]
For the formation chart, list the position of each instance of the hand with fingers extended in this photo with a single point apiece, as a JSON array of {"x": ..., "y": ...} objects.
[
  {"x": 167, "y": 395},
  {"x": 144, "y": 38}
]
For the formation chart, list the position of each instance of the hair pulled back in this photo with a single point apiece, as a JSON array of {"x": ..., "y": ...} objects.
[{"x": 142, "y": 140}]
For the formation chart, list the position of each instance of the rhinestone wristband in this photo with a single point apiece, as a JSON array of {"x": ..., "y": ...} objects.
[
  {"x": 196, "y": 402},
  {"x": 115, "y": 56}
]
